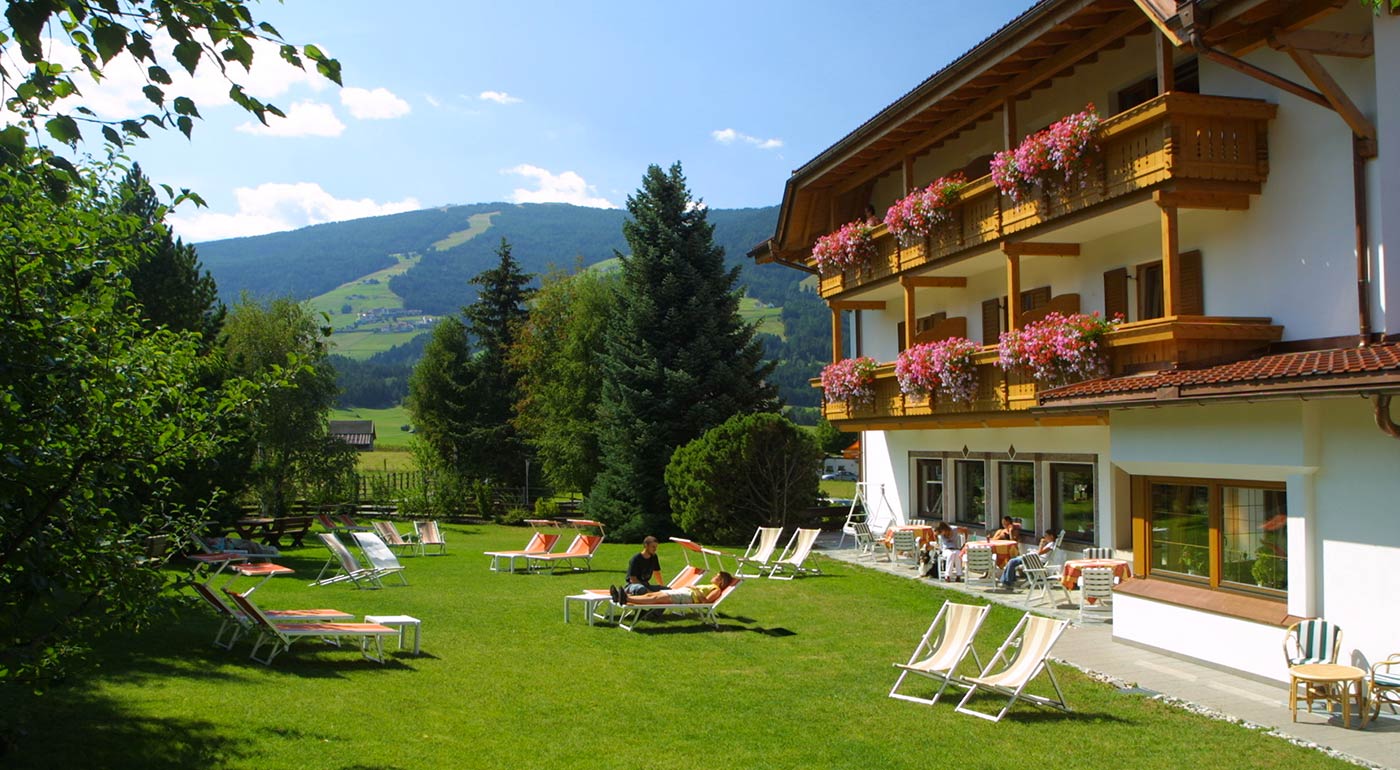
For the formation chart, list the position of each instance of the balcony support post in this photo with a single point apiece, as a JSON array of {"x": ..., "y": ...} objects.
[
  {"x": 1171, "y": 261},
  {"x": 910, "y": 315},
  {"x": 1166, "y": 68},
  {"x": 836, "y": 342},
  {"x": 1013, "y": 288}
]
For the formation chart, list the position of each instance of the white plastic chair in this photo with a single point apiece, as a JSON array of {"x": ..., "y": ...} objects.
[
  {"x": 1096, "y": 593},
  {"x": 980, "y": 566},
  {"x": 1098, "y": 552},
  {"x": 905, "y": 542},
  {"x": 1039, "y": 580}
]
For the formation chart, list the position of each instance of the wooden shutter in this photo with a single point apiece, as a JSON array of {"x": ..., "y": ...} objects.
[
  {"x": 1035, "y": 298},
  {"x": 901, "y": 336},
  {"x": 1193, "y": 290},
  {"x": 991, "y": 321},
  {"x": 1115, "y": 293}
]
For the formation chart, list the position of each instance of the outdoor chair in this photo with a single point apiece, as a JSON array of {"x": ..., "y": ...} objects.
[
  {"x": 1385, "y": 684},
  {"x": 904, "y": 541},
  {"x": 344, "y": 563},
  {"x": 281, "y": 635},
  {"x": 392, "y": 537},
  {"x": 235, "y": 622},
  {"x": 1096, "y": 593},
  {"x": 866, "y": 542},
  {"x": 1019, "y": 660},
  {"x": 1313, "y": 640},
  {"x": 947, "y": 556},
  {"x": 582, "y": 548},
  {"x": 629, "y": 615},
  {"x": 428, "y": 535},
  {"x": 943, "y": 648},
  {"x": 381, "y": 560},
  {"x": 1055, "y": 559},
  {"x": 980, "y": 566},
  {"x": 1039, "y": 580},
  {"x": 1098, "y": 552},
  {"x": 794, "y": 558},
  {"x": 540, "y": 543},
  {"x": 760, "y": 552},
  {"x": 339, "y": 525}
]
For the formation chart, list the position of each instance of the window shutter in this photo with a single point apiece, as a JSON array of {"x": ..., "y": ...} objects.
[
  {"x": 1033, "y": 299},
  {"x": 991, "y": 321},
  {"x": 1115, "y": 293},
  {"x": 901, "y": 336},
  {"x": 1193, "y": 290}
]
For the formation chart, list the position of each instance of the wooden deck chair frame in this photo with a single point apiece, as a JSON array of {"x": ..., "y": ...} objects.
[
  {"x": 630, "y": 615},
  {"x": 234, "y": 622},
  {"x": 392, "y": 537},
  {"x": 428, "y": 535},
  {"x": 349, "y": 568},
  {"x": 1023, "y": 656},
  {"x": 944, "y": 646},
  {"x": 281, "y": 635},
  {"x": 540, "y": 543},
  {"x": 760, "y": 552},
  {"x": 793, "y": 560},
  {"x": 381, "y": 560}
]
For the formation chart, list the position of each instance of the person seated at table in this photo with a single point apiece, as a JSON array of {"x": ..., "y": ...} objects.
[
  {"x": 1010, "y": 530},
  {"x": 950, "y": 548},
  {"x": 1008, "y": 574},
  {"x": 699, "y": 594}
]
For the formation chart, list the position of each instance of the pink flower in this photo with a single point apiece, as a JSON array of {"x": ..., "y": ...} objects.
[
  {"x": 1056, "y": 156},
  {"x": 917, "y": 214},
  {"x": 1057, "y": 349},
  {"x": 850, "y": 246},
  {"x": 850, "y": 380},
  {"x": 939, "y": 369}
]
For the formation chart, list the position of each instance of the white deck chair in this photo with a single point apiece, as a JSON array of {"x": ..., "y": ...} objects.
[
  {"x": 344, "y": 563},
  {"x": 759, "y": 553},
  {"x": 942, "y": 649},
  {"x": 1039, "y": 580},
  {"x": 381, "y": 560},
  {"x": 629, "y": 615},
  {"x": 428, "y": 535},
  {"x": 1022, "y": 657},
  {"x": 792, "y": 562},
  {"x": 281, "y": 635},
  {"x": 1096, "y": 593},
  {"x": 1098, "y": 552},
  {"x": 980, "y": 566},
  {"x": 392, "y": 537},
  {"x": 235, "y": 622},
  {"x": 866, "y": 542}
]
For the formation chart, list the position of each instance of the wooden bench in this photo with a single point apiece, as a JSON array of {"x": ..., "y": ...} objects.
[{"x": 294, "y": 527}]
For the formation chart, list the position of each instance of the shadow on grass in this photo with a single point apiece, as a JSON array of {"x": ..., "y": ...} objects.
[{"x": 1028, "y": 712}]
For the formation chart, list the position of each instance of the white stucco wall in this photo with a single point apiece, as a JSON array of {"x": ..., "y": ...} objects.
[{"x": 1384, "y": 176}]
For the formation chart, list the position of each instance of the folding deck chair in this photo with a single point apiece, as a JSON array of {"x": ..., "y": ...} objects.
[
  {"x": 235, "y": 622},
  {"x": 629, "y": 615},
  {"x": 1023, "y": 656},
  {"x": 282, "y": 635},
  {"x": 381, "y": 560},
  {"x": 1039, "y": 580},
  {"x": 583, "y": 547},
  {"x": 943, "y": 648},
  {"x": 759, "y": 553},
  {"x": 540, "y": 543},
  {"x": 392, "y": 537},
  {"x": 428, "y": 535},
  {"x": 791, "y": 563},
  {"x": 346, "y": 566},
  {"x": 339, "y": 524}
]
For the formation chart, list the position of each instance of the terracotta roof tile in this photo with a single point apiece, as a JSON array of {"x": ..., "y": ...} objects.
[{"x": 1280, "y": 367}]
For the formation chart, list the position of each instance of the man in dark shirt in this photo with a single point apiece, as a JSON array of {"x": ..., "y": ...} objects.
[{"x": 644, "y": 570}]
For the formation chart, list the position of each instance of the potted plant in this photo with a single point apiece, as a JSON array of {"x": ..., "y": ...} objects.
[
  {"x": 918, "y": 214},
  {"x": 1058, "y": 349},
  {"x": 852, "y": 245},
  {"x": 1053, "y": 158},
  {"x": 851, "y": 380},
  {"x": 942, "y": 369}
]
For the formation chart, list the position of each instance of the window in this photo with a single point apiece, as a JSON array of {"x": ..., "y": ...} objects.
[
  {"x": 930, "y": 495},
  {"x": 1229, "y": 534},
  {"x": 1149, "y": 281},
  {"x": 1187, "y": 77},
  {"x": 970, "y": 487},
  {"x": 1016, "y": 492},
  {"x": 1072, "y": 500}
]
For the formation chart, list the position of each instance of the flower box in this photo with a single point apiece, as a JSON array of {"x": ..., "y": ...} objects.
[
  {"x": 850, "y": 380},
  {"x": 851, "y": 246},
  {"x": 939, "y": 370},
  {"x": 1057, "y": 157},
  {"x": 1058, "y": 349}
]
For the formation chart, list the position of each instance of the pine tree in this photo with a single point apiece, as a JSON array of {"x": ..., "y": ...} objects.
[
  {"x": 678, "y": 360},
  {"x": 440, "y": 395}
]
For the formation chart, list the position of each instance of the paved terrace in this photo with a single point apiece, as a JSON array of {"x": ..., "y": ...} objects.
[{"x": 1222, "y": 693}]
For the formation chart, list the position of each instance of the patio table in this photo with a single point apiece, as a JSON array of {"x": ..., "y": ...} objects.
[
  {"x": 252, "y": 528},
  {"x": 1348, "y": 678},
  {"x": 1069, "y": 576}
]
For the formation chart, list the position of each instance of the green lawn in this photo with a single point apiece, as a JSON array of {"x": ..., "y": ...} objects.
[
  {"x": 388, "y": 424},
  {"x": 387, "y": 460},
  {"x": 797, "y": 678},
  {"x": 767, "y": 318}
]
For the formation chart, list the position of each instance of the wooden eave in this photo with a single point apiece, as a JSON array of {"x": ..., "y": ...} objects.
[
  {"x": 1239, "y": 26},
  {"x": 1046, "y": 42}
]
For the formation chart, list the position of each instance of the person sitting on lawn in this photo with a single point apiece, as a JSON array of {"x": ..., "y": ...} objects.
[{"x": 699, "y": 594}]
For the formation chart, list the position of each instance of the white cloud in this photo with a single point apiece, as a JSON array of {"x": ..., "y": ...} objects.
[
  {"x": 379, "y": 104},
  {"x": 729, "y": 136},
  {"x": 499, "y": 97},
  {"x": 431, "y": 100},
  {"x": 303, "y": 119},
  {"x": 273, "y": 207},
  {"x": 567, "y": 187}
]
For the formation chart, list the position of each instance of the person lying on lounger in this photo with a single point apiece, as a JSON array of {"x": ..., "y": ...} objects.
[{"x": 700, "y": 594}]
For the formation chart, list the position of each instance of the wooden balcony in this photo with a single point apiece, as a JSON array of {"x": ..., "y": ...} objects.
[
  {"x": 1215, "y": 143},
  {"x": 1008, "y": 398}
]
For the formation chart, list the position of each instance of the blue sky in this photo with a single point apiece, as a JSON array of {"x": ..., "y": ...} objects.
[{"x": 463, "y": 102}]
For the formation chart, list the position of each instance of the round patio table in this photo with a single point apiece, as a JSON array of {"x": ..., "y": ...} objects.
[{"x": 1348, "y": 678}]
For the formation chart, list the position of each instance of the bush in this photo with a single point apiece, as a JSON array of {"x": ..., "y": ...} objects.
[{"x": 754, "y": 470}]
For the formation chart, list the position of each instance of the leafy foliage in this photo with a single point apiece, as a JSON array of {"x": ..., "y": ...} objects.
[
  {"x": 677, "y": 358},
  {"x": 754, "y": 470},
  {"x": 831, "y": 439}
]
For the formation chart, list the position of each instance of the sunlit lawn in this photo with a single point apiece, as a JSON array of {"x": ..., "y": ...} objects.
[
  {"x": 796, "y": 678},
  {"x": 386, "y": 460}
]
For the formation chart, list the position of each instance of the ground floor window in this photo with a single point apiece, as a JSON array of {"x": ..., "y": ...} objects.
[
  {"x": 970, "y": 485},
  {"x": 1228, "y": 534},
  {"x": 1016, "y": 492},
  {"x": 1072, "y": 501},
  {"x": 930, "y": 475}
]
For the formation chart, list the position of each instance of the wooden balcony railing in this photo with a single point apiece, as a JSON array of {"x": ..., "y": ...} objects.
[
  {"x": 1177, "y": 137},
  {"x": 1134, "y": 347}
]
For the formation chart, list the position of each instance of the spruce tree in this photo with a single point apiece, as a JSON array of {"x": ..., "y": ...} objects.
[{"x": 677, "y": 360}]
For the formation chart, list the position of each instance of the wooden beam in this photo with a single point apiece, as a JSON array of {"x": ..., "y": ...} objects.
[
  {"x": 1013, "y": 289},
  {"x": 1217, "y": 201},
  {"x": 1239, "y": 65},
  {"x": 836, "y": 342},
  {"x": 1009, "y": 136},
  {"x": 1033, "y": 249},
  {"x": 910, "y": 316},
  {"x": 908, "y": 167},
  {"x": 852, "y": 304},
  {"x": 1121, "y": 25},
  {"x": 1171, "y": 261},
  {"x": 1337, "y": 99},
  {"x": 934, "y": 281},
  {"x": 1316, "y": 41},
  {"x": 1166, "y": 65}
]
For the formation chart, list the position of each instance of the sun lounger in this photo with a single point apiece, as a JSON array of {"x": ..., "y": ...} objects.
[
  {"x": 1022, "y": 657},
  {"x": 760, "y": 552},
  {"x": 582, "y": 548},
  {"x": 794, "y": 559},
  {"x": 235, "y": 622},
  {"x": 428, "y": 535},
  {"x": 280, "y": 636},
  {"x": 944, "y": 646},
  {"x": 629, "y": 615},
  {"x": 540, "y": 543}
]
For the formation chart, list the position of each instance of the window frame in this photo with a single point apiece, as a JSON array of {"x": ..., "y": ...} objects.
[
  {"x": 957, "y": 519},
  {"x": 1056, "y": 522}
]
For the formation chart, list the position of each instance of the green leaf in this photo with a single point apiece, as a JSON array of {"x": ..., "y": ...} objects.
[
  {"x": 185, "y": 106},
  {"x": 154, "y": 95},
  {"x": 313, "y": 52},
  {"x": 271, "y": 30},
  {"x": 13, "y": 140},
  {"x": 330, "y": 69},
  {"x": 185, "y": 124},
  {"x": 157, "y": 74},
  {"x": 239, "y": 51},
  {"x": 112, "y": 137},
  {"x": 64, "y": 129},
  {"x": 110, "y": 38},
  {"x": 188, "y": 53},
  {"x": 140, "y": 46},
  {"x": 27, "y": 20}
]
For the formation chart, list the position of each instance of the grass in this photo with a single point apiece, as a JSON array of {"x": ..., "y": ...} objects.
[
  {"x": 797, "y": 678},
  {"x": 839, "y": 490},
  {"x": 388, "y": 424},
  {"x": 387, "y": 460},
  {"x": 476, "y": 225},
  {"x": 768, "y": 318}
]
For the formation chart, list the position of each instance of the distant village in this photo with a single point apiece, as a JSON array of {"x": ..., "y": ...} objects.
[{"x": 389, "y": 320}]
